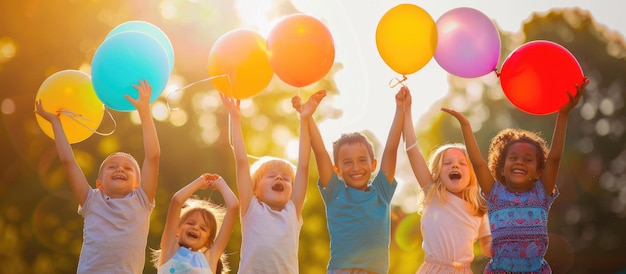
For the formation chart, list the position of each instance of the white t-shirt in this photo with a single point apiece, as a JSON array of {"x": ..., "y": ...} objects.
[
  {"x": 115, "y": 232},
  {"x": 269, "y": 239},
  {"x": 450, "y": 231}
]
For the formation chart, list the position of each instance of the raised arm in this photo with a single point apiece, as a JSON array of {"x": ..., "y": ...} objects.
[
  {"x": 390, "y": 152},
  {"x": 244, "y": 180},
  {"x": 304, "y": 154},
  {"x": 558, "y": 138},
  {"x": 76, "y": 177},
  {"x": 169, "y": 239},
  {"x": 152, "y": 149},
  {"x": 322, "y": 158},
  {"x": 416, "y": 158},
  {"x": 483, "y": 175},
  {"x": 232, "y": 208}
]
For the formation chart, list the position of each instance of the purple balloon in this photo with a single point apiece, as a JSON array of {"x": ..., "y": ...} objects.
[{"x": 468, "y": 43}]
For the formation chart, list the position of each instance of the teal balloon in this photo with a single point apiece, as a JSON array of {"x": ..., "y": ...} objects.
[
  {"x": 123, "y": 60},
  {"x": 150, "y": 29}
]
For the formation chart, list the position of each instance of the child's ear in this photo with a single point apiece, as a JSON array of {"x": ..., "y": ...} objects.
[
  {"x": 374, "y": 163},
  {"x": 337, "y": 171},
  {"x": 98, "y": 184}
]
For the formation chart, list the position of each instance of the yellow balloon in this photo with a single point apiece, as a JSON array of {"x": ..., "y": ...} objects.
[
  {"x": 406, "y": 38},
  {"x": 71, "y": 93}
]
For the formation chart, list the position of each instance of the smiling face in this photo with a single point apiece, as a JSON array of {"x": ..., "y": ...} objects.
[
  {"x": 196, "y": 231},
  {"x": 455, "y": 172},
  {"x": 354, "y": 165},
  {"x": 119, "y": 175},
  {"x": 520, "y": 167}
]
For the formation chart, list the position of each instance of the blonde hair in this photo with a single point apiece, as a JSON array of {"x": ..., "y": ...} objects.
[
  {"x": 471, "y": 194},
  {"x": 123, "y": 154},
  {"x": 265, "y": 163},
  {"x": 212, "y": 214}
]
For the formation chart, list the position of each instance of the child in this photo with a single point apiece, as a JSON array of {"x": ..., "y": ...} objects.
[
  {"x": 189, "y": 243},
  {"x": 357, "y": 211},
  {"x": 453, "y": 212},
  {"x": 271, "y": 197},
  {"x": 117, "y": 212},
  {"x": 519, "y": 183}
]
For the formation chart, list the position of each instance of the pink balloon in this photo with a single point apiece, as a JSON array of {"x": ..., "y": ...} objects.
[{"x": 468, "y": 43}]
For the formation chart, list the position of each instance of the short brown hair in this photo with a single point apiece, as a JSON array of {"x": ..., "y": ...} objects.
[{"x": 351, "y": 138}]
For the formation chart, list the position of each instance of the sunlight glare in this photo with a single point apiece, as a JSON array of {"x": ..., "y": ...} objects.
[
  {"x": 291, "y": 149},
  {"x": 255, "y": 14}
]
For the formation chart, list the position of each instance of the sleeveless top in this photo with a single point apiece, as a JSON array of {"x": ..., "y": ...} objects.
[{"x": 187, "y": 262}]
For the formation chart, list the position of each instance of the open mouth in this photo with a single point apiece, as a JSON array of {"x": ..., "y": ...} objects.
[
  {"x": 193, "y": 235},
  {"x": 455, "y": 176},
  {"x": 278, "y": 187},
  {"x": 119, "y": 177}
]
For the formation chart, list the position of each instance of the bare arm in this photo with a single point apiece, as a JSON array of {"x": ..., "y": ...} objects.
[
  {"x": 558, "y": 139},
  {"x": 485, "y": 179},
  {"x": 76, "y": 177},
  {"x": 416, "y": 158},
  {"x": 244, "y": 181},
  {"x": 390, "y": 152},
  {"x": 169, "y": 240},
  {"x": 302, "y": 173},
  {"x": 322, "y": 158},
  {"x": 485, "y": 245},
  {"x": 152, "y": 149},
  {"x": 232, "y": 208}
]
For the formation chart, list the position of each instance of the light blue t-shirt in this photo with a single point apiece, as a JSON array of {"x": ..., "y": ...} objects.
[{"x": 359, "y": 224}]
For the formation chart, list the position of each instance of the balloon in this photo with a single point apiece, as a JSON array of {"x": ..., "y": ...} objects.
[
  {"x": 406, "y": 38},
  {"x": 241, "y": 55},
  {"x": 153, "y": 31},
  {"x": 536, "y": 77},
  {"x": 70, "y": 91},
  {"x": 468, "y": 43},
  {"x": 301, "y": 50},
  {"x": 124, "y": 59}
]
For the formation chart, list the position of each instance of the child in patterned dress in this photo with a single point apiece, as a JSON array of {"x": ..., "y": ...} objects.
[{"x": 519, "y": 183}]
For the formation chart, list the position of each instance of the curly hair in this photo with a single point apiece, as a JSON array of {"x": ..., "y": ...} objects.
[{"x": 502, "y": 142}]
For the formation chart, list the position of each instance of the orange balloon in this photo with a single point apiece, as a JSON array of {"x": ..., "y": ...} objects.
[
  {"x": 71, "y": 92},
  {"x": 300, "y": 49},
  {"x": 241, "y": 55}
]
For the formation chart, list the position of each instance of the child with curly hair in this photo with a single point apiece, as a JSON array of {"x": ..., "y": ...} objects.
[{"x": 519, "y": 183}]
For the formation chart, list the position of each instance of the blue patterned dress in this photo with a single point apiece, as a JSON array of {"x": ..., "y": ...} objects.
[{"x": 519, "y": 227}]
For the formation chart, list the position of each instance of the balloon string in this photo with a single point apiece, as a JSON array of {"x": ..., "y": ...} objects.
[
  {"x": 167, "y": 98},
  {"x": 395, "y": 82},
  {"x": 230, "y": 129},
  {"x": 78, "y": 117}
]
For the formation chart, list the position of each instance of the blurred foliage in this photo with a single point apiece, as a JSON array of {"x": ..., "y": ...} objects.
[{"x": 40, "y": 231}]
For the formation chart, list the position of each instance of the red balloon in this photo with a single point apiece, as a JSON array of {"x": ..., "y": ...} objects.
[{"x": 537, "y": 76}]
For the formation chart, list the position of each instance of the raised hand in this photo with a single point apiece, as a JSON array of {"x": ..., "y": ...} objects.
[
  {"x": 573, "y": 100},
  {"x": 459, "y": 116},
  {"x": 145, "y": 91},
  {"x": 232, "y": 105},
  {"x": 48, "y": 116},
  {"x": 308, "y": 108}
]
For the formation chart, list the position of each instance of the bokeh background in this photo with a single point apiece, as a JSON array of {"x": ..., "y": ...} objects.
[{"x": 40, "y": 231}]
